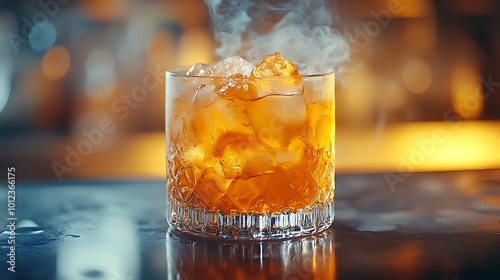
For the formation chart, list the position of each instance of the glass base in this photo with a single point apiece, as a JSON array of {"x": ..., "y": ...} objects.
[{"x": 307, "y": 221}]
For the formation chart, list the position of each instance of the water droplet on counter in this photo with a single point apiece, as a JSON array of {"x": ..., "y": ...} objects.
[
  {"x": 26, "y": 233},
  {"x": 28, "y": 227},
  {"x": 29, "y": 230}
]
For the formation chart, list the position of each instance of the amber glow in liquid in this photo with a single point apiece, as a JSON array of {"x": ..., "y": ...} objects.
[{"x": 251, "y": 145}]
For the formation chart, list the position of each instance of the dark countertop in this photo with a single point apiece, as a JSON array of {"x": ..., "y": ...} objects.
[{"x": 443, "y": 225}]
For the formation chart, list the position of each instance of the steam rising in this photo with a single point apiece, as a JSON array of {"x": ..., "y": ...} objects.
[{"x": 303, "y": 32}]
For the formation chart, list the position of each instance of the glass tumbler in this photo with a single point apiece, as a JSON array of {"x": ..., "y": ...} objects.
[{"x": 250, "y": 159}]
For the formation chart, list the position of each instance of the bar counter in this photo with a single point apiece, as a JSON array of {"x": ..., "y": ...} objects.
[{"x": 435, "y": 225}]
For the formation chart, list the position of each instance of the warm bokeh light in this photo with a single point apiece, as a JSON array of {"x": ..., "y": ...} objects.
[
  {"x": 412, "y": 9},
  {"x": 56, "y": 63},
  {"x": 360, "y": 92},
  {"x": 393, "y": 96},
  {"x": 106, "y": 10},
  {"x": 396, "y": 8},
  {"x": 417, "y": 75},
  {"x": 466, "y": 91},
  {"x": 162, "y": 49},
  {"x": 427, "y": 146},
  {"x": 195, "y": 46},
  {"x": 189, "y": 13},
  {"x": 144, "y": 157},
  {"x": 411, "y": 147}
]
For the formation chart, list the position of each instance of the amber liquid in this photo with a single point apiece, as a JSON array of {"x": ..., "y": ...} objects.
[{"x": 270, "y": 154}]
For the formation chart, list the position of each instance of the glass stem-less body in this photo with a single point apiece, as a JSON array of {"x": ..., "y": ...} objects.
[{"x": 250, "y": 166}]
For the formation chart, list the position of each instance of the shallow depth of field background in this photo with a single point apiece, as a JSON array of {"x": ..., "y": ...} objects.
[{"x": 421, "y": 91}]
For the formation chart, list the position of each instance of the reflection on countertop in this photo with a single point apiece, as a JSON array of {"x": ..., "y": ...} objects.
[{"x": 305, "y": 258}]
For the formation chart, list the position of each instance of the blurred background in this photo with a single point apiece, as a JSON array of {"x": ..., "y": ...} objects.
[{"x": 82, "y": 84}]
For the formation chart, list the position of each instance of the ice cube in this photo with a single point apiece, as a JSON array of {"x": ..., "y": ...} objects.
[
  {"x": 234, "y": 149},
  {"x": 321, "y": 132},
  {"x": 292, "y": 155},
  {"x": 196, "y": 156},
  {"x": 181, "y": 115},
  {"x": 230, "y": 66},
  {"x": 204, "y": 96},
  {"x": 275, "y": 75},
  {"x": 199, "y": 69},
  {"x": 259, "y": 164},
  {"x": 237, "y": 86},
  {"x": 275, "y": 65},
  {"x": 277, "y": 119},
  {"x": 219, "y": 117}
]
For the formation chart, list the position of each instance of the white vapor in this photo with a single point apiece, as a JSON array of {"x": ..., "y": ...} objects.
[{"x": 303, "y": 32}]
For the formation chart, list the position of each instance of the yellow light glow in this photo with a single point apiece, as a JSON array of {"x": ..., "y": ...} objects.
[
  {"x": 417, "y": 75},
  {"x": 429, "y": 146},
  {"x": 188, "y": 13},
  {"x": 394, "y": 8},
  {"x": 105, "y": 10},
  {"x": 400, "y": 8},
  {"x": 409, "y": 147},
  {"x": 144, "y": 158},
  {"x": 195, "y": 46},
  {"x": 359, "y": 98},
  {"x": 412, "y": 9},
  {"x": 56, "y": 63},
  {"x": 393, "y": 97},
  {"x": 466, "y": 91}
]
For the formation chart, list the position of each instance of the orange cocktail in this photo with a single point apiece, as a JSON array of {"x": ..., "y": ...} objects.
[{"x": 250, "y": 155}]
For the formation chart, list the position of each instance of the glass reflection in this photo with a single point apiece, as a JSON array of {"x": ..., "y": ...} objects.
[
  {"x": 111, "y": 251},
  {"x": 306, "y": 258}
]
